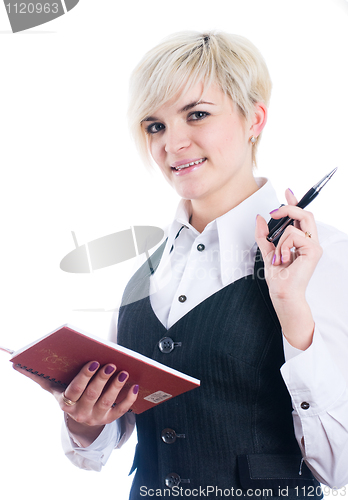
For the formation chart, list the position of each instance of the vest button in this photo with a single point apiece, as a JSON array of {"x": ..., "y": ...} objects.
[
  {"x": 168, "y": 436},
  {"x": 305, "y": 405},
  {"x": 172, "y": 479},
  {"x": 182, "y": 298},
  {"x": 166, "y": 345},
  {"x": 200, "y": 247}
]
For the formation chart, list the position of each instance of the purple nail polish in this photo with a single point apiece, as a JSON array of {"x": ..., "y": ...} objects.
[
  {"x": 273, "y": 211},
  {"x": 93, "y": 366},
  {"x": 290, "y": 191},
  {"x": 274, "y": 259},
  {"x": 122, "y": 377},
  {"x": 135, "y": 389},
  {"x": 109, "y": 369}
]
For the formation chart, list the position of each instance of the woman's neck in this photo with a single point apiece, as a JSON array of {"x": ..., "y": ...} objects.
[{"x": 205, "y": 211}]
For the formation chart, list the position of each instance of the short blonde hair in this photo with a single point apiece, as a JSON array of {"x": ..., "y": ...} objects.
[{"x": 182, "y": 60}]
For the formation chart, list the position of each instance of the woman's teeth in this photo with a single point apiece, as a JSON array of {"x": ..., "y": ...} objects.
[{"x": 189, "y": 164}]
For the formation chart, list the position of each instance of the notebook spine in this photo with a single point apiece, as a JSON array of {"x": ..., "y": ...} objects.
[{"x": 42, "y": 375}]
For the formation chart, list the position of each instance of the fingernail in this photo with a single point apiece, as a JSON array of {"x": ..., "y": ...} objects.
[
  {"x": 273, "y": 211},
  {"x": 281, "y": 259},
  {"x": 256, "y": 218},
  {"x": 290, "y": 191},
  {"x": 274, "y": 259},
  {"x": 109, "y": 369},
  {"x": 135, "y": 389},
  {"x": 93, "y": 366},
  {"x": 122, "y": 377}
]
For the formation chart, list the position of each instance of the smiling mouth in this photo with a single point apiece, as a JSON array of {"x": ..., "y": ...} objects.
[{"x": 186, "y": 165}]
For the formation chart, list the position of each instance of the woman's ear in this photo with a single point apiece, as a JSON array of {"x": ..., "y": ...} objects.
[{"x": 258, "y": 119}]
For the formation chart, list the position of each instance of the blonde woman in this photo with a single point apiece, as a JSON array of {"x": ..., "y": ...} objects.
[{"x": 271, "y": 415}]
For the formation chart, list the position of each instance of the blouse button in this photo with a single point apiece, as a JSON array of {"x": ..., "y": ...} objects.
[
  {"x": 182, "y": 298},
  {"x": 200, "y": 247},
  {"x": 305, "y": 405}
]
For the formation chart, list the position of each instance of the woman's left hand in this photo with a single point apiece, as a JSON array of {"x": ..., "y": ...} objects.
[{"x": 288, "y": 269}]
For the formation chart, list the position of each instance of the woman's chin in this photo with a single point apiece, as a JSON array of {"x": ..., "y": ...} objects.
[{"x": 189, "y": 194}]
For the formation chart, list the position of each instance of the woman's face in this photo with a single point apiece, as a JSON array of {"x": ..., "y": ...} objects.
[{"x": 201, "y": 142}]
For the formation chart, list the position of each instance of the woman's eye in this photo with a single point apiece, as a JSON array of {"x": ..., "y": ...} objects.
[
  {"x": 154, "y": 128},
  {"x": 198, "y": 115}
]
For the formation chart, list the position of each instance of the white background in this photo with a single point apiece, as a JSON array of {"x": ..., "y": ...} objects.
[{"x": 67, "y": 164}]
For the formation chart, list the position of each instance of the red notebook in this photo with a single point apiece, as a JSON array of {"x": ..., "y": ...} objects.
[{"x": 60, "y": 355}]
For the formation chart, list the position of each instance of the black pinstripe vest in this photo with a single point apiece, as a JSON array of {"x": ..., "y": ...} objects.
[{"x": 236, "y": 429}]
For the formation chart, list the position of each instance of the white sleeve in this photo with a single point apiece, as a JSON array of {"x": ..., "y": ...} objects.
[
  {"x": 92, "y": 457},
  {"x": 317, "y": 378},
  {"x": 114, "y": 435}
]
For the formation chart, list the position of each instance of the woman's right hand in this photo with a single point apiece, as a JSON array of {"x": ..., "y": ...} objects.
[{"x": 95, "y": 391}]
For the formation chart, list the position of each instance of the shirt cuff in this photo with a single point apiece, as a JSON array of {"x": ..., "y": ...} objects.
[
  {"x": 94, "y": 456},
  {"x": 289, "y": 350},
  {"x": 312, "y": 378}
]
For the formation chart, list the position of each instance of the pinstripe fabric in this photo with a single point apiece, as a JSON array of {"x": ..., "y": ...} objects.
[{"x": 233, "y": 344}]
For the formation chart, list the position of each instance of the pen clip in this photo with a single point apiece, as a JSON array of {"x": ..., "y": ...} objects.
[{"x": 277, "y": 230}]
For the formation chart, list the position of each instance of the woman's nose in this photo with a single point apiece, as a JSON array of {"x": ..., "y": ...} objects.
[{"x": 175, "y": 140}]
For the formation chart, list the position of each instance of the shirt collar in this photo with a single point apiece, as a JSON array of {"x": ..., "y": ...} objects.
[
  {"x": 182, "y": 218},
  {"x": 235, "y": 229}
]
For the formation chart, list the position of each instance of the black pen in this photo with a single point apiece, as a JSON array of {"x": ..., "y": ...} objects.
[{"x": 283, "y": 223}]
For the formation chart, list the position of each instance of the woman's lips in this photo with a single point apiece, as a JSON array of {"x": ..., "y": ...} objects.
[{"x": 186, "y": 166}]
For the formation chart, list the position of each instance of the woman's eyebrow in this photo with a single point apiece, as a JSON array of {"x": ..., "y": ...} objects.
[
  {"x": 182, "y": 110},
  {"x": 193, "y": 104},
  {"x": 150, "y": 119}
]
